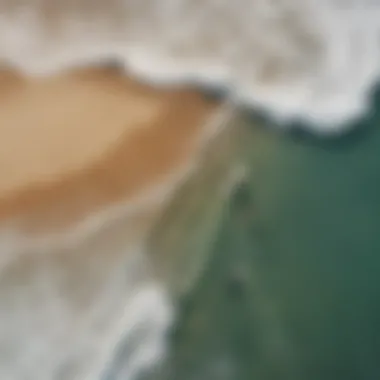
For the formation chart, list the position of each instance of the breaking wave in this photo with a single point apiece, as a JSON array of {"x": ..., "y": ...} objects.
[
  {"x": 313, "y": 61},
  {"x": 309, "y": 61}
]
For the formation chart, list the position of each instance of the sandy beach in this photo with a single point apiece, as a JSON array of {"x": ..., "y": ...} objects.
[{"x": 88, "y": 161}]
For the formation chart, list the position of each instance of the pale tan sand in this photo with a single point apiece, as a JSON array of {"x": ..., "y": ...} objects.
[
  {"x": 72, "y": 145},
  {"x": 83, "y": 148}
]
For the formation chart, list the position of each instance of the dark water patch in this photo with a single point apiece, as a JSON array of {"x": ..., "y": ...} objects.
[
  {"x": 322, "y": 245},
  {"x": 215, "y": 92},
  {"x": 293, "y": 288}
]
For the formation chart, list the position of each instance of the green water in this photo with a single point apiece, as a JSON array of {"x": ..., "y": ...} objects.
[{"x": 292, "y": 287}]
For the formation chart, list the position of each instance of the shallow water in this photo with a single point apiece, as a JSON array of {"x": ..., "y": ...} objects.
[{"x": 292, "y": 290}]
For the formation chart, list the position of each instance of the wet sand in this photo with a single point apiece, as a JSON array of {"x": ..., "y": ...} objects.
[
  {"x": 77, "y": 144},
  {"x": 87, "y": 162}
]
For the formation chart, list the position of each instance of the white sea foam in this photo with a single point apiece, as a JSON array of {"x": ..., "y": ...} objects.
[
  {"x": 66, "y": 320},
  {"x": 313, "y": 61},
  {"x": 309, "y": 60}
]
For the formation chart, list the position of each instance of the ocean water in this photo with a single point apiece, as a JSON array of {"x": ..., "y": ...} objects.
[
  {"x": 292, "y": 287},
  {"x": 301, "y": 295},
  {"x": 288, "y": 284}
]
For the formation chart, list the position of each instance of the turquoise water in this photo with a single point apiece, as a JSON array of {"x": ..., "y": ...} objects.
[{"x": 293, "y": 287}]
